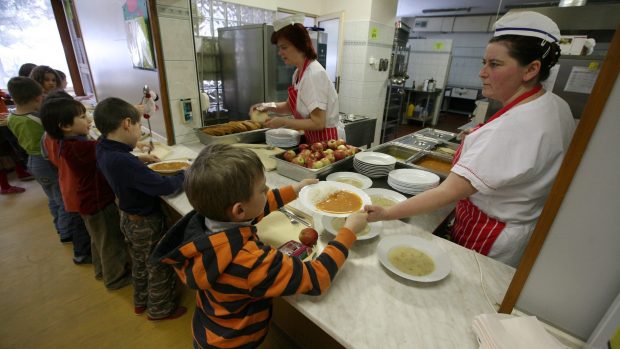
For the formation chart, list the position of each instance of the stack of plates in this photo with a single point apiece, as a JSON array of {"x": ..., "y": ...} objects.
[
  {"x": 282, "y": 137},
  {"x": 412, "y": 181},
  {"x": 373, "y": 164}
]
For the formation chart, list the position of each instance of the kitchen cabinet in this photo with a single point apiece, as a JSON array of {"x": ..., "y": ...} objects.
[
  {"x": 471, "y": 24},
  {"x": 460, "y": 100}
]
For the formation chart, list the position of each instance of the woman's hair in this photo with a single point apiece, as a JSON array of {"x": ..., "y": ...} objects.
[
  {"x": 38, "y": 74},
  {"x": 298, "y": 36},
  {"x": 59, "y": 111},
  {"x": 110, "y": 113},
  {"x": 221, "y": 176},
  {"x": 526, "y": 49}
]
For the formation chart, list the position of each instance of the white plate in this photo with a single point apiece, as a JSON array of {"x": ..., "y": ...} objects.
[
  {"x": 375, "y": 228},
  {"x": 154, "y": 165},
  {"x": 385, "y": 193},
  {"x": 442, "y": 262},
  {"x": 375, "y": 158},
  {"x": 407, "y": 176},
  {"x": 310, "y": 195},
  {"x": 364, "y": 181}
]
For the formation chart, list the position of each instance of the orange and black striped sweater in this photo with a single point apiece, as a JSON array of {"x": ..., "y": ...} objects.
[{"x": 237, "y": 276}]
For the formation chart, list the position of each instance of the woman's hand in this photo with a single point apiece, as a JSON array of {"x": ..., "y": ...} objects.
[
  {"x": 297, "y": 187},
  {"x": 264, "y": 107},
  {"x": 356, "y": 221},
  {"x": 461, "y": 136},
  {"x": 276, "y": 122},
  {"x": 376, "y": 213}
]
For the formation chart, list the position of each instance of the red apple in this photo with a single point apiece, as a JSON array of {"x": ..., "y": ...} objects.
[
  {"x": 289, "y": 155},
  {"x": 332, "y": 144},
  {"x": 310, "y": 163},
  {"x": 305, "y": 152},
  {"x": 341, "y": 142},
  {"x": 303, "y": 147},
  {"x": 299, "y": 160},
  {"x": 318, "y": 155},
  {"x": 308, "y": 237},
  {"x": 318, "y": 146},
  {"x": 339, "y": 155},
  {"x": 330, "y": 158}
]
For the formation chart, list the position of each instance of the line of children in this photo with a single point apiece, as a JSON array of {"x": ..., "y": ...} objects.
[
  {"x": 27, "y": 127},
  {"x": 216, "y": 250},
  {"x": 138, "y": 189},
  {"x": 83, "y": 187}
]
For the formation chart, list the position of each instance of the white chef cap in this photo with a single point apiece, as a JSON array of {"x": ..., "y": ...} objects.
[
  {"x": 528, "y": 23},
  {"x": 290, "y": 20}
]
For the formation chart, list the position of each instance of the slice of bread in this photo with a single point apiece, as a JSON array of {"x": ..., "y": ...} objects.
[{"x": 259, "y": 116}]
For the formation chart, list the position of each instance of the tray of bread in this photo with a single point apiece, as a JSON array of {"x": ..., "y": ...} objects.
[{"x": 245, "y": 131}]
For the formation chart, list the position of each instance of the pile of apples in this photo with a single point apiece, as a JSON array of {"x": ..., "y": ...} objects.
[{"x": 320, "y": 154}]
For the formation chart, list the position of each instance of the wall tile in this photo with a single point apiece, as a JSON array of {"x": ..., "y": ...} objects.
[
  {"x": 176, "y": 36},
  {"x": 174, "y": 3},
  {"x": 182, "y": 79}
]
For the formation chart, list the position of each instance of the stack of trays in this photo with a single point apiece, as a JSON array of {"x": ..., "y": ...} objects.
[
  {"x": 373, "y": 164},
  {"x": 412, "y": 181},
  {"x": 282, "y": 137}
]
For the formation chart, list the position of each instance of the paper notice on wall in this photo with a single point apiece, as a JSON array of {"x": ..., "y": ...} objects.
[
  {"x": 550, "y": 81},
  {"x": 581, "y": 80}
]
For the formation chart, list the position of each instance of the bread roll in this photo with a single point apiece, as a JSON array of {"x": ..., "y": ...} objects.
[{"x": 259, "y": 116}]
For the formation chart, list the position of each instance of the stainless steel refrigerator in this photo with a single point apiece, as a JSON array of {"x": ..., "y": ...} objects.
[{"x": 250, "y": 71}]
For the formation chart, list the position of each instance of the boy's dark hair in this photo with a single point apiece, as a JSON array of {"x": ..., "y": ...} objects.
[
  {"x": 38, "y": 74},
  {"x": 58, "y": 112},
  {"x": 24, "y": 90},
  {"x": 221, "y": 176},
  {"x": 58, "y": 94},
  {"x": 26, "y": 69},
  {"x": 298, "y": 36},
  {"x": 110, "y": 113},
  {"x": 527, "y": 49}
]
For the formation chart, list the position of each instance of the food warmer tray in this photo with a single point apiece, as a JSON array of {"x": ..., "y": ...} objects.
[
  {"x": 298, "y": 173},
  {"x": 432, "y": 155},
  {"x": 417, "y": 141},
  {"x": 442, "y": 136},
  {"x": 401, "y": 152},
  {"x": 254, "y": 136}
]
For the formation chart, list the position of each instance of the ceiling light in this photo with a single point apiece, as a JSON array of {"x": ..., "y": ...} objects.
[
  {"x": 533, "y": 4},
  {"x": 567, "y": 3},
  {"x": 436, "y": 10}
]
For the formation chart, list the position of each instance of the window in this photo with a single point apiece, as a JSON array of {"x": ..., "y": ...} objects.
[{"x": 29, "y": 35}]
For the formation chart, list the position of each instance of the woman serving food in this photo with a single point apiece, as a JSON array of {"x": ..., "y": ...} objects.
[
  {"x": 503, "y": 170},
  {"x": 312, "y": 98}
]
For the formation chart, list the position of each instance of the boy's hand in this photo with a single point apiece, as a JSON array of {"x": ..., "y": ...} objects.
[
  {"x": 376, "y": 213},
  {"x": 356, "y": 221},
  {"x": 148, "y": 158},
  {"x": 297, "y": 187},
  {"x": 144, "y": 147}
]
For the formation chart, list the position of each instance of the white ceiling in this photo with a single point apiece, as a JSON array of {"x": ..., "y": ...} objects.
[{"x": 412, "y": 8}]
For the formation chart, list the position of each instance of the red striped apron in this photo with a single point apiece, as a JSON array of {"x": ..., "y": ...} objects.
[
  {"x": 473, "y": 228},
  {"x": 311, "y": 136}
]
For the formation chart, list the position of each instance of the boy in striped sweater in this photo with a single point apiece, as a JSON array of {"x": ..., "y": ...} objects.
[{"x": 215, "y": 249}]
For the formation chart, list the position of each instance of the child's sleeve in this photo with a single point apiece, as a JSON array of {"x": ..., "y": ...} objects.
[
  {"x": 277, "y": 274},
  {"x": 277, "y": 198}
]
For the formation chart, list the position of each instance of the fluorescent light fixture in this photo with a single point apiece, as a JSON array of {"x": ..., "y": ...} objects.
[
  {"x": 567, "y": 3},
  {"x": 533, "y": 4},
  {"x": 437, "y": 10}
]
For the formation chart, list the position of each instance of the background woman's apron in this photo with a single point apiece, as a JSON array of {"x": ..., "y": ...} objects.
[
  {"x": 311, "y": 136},
  {"x": 473, "y": 228}
]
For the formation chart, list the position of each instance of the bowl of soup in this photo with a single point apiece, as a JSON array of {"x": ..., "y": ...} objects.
[
  {"x": 169, "y": 167},
  {"x": 335, "y": 199}
]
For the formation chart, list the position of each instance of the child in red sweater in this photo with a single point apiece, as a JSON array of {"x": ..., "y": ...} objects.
[{"x": 84, "y": 188}]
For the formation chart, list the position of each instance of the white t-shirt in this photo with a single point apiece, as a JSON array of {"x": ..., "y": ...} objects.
[
  {"x": 512, "y": 162},
  {"x": 315, "y": 90}
]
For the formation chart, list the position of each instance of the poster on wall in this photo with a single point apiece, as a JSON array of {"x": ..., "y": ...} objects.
[{"x": 139, "y": 34}]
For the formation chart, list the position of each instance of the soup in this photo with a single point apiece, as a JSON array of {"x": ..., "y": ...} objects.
[
  {"x": 354, "y": 182},
  {"x": 340, "y": 202},
  {"x": 382, "y": 201},
  {"x": 434, "y": 164},
  {"x": 411, "y": 261},
  {"x": 170, "y": 166},
  {"x": 337, "y": 223}
]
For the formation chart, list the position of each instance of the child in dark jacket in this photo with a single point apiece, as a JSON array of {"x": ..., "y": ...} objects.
[
  {"x": 83, "y": 187},
  {"x": 138, "y": 189},
  {"x": 216, "y": 250}
]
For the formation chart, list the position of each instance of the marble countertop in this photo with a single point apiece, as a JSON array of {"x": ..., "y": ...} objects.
[{"x": 369, "y": 307}]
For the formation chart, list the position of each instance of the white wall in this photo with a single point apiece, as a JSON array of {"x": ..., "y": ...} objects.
[
  {"x": 105, "y": 40},
  {"x": 577, "y": 274}
]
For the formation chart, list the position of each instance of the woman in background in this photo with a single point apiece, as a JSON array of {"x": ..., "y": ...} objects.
[{"x": 312, "y": 98}]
